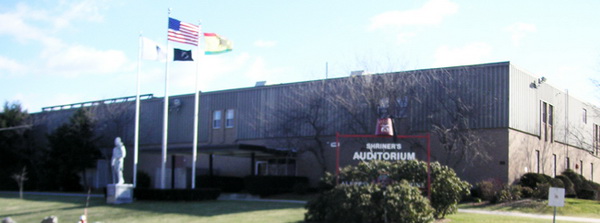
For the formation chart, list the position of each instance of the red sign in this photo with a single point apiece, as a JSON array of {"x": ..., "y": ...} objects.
[{"x": 384, "y": 127}]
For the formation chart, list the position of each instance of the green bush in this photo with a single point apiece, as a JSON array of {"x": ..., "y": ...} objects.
[
  {"x": 584, "y": 189},
  {"x": 555, "y": 182},
  {"x": 568, "y": 185},
  {"x": 446, "y": 188},
  {"x": 533, "y": 179},
  {"x": 487, "y": 189},
  {"x": 526, "y": 192},
  {"x": 397, "y": 202},
  {"x": 176, "y": 194},
  {"x": 541, "y": 191},
  {"x": 508, "y": 193}
]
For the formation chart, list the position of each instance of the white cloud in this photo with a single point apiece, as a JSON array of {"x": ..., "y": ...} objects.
[
  {"x": 259, "y": 71},
  {"x": 519, "y": 30},
  {"x": 470, "y": 54},
  {"x": 76, "y": 60},
  {"x": 17, "y": 24},
  {"x": 11, "y": 66},
  {"x": 265, "y": 43},
  {"x": 39, "y": 25},
  {"x": 431, "y": 13},
  {"x": 404, "y": 37},
  {"x": 78, "y": 10}
]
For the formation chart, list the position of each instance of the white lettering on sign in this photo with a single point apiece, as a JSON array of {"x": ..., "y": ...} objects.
[
  {"x": 384, "y": 156},
  {"x": 384, "y": 146}
]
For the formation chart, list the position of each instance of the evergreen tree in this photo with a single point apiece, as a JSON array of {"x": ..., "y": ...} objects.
[
  {"x": 14, "y": 150},
  {"x": 72, "y": 150}
]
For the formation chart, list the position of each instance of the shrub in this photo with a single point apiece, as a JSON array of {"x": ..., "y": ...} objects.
[
  {"x": 176, "y": 194},
  {"x": 225, "y": 183},
  {"x": 269, "y": 185},
  {"x": 533, "y": 179},
  {"x": 526, "y": 192},
  {"x": 568, "y": 185},
  {"x": 397, "y": 202},
  {"x": 596, "y": 187},
  {"x": 578, "y": 180},
  {"x": 487, "y": 189},
  {"x": 143, "y": 180},
  {"x": 584, "y": 189},
  {"x": 508, "y": 193},
  {"x": 541, "y": 191},
  {"x": 555, "y": 182},
  {"x": 446, "y": 188}
]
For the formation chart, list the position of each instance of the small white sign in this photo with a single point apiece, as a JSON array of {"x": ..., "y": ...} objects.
[{"x": 556, "y": 197}]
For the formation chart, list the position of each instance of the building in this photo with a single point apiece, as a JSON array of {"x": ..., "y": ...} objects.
[{"x": 487, "y": 121}]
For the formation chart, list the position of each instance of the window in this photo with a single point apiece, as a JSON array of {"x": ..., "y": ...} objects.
[
  {"x": 584, "y": 114},
  {"x": 217, "y": 119},
  {"x": 568, "y": 164},
  {"x": 596, "y": 143},
  {"x": 229, "y": 118},
  {"x": 581, "y": 167},
  {"x": 537, "y": 161},
  {"x": 554, "y": 165},
  {"x": 547, "y": 121},
  {"x": 402, "y": 107},
  {"x": 592, "y": 171}
]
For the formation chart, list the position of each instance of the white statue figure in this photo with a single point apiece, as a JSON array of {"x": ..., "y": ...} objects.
[{"x": 117, "y": 161}]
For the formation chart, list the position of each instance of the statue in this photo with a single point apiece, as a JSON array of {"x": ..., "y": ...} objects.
[{"x": 117, "y": 162}]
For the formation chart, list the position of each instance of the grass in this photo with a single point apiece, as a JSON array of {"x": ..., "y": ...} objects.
[
  {"x": 469, "y": 217},
  {"x": 68, "y": 209},
  {"x": 573, "y": 207}
]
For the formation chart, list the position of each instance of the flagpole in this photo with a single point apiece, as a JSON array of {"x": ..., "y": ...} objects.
[
  {"x": 196, "y": 109},
  {"x": 163, "y": 163},
  {"x": 136, "y": 134}
]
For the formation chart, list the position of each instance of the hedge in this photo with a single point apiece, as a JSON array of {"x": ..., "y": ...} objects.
[
  {"x": 226, "y": 184},
  {"x": 176, "y": 194},
  {"x": 269, "y": 185}
]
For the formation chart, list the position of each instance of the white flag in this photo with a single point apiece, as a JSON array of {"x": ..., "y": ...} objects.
[{"x": 152, "y": 51}]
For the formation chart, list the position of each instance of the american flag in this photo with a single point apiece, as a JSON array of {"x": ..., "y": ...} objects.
[{"x": 183, "y": 32}]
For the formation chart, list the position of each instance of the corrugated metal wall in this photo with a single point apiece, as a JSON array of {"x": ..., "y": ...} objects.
[{"x": 501, "y": 95}]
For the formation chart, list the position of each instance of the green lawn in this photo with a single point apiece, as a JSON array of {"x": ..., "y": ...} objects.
[
  {"x": 573, "y": 207},
  {"x": 464, "y": 217},
  {"x": 68, "y": 209}
]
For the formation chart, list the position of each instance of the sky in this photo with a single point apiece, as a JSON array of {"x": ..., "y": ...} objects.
[{"x": 55, "y": 52}]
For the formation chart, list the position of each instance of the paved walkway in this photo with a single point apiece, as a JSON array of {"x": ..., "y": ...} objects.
[{"x": 558, "y": 218}]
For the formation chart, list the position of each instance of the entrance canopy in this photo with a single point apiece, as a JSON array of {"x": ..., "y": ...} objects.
[
  {"x": 245, "y": 150},
  {"x": 236, "y": 150}
]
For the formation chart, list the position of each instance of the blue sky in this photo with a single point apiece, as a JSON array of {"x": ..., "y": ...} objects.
[{"x": 56, "y": 52}]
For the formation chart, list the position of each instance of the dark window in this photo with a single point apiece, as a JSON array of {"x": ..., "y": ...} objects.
[
  {"x": 229, "y": 116},
  {"x": 217, "y": 119}
]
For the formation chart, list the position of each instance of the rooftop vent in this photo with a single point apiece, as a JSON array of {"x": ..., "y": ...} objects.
[
  {"x": 357, "y": 73},
  {"x": 260, "y": 83}
]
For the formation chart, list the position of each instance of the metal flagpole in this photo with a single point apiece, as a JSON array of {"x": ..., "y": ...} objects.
[
  {"x": 163, "y": 163},
  {"x": 136, "y": 134},
  {"x": 196, "y": 108}
]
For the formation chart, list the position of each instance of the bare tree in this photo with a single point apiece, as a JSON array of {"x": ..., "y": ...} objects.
[
  {"x": 447, "y": 103},
  {"x": 452, "y": 111},
  {"x": 20, "y": 178},
  {"x": 302, "y": 120}
]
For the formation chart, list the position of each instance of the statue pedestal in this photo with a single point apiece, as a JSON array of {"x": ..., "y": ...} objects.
[{"x": 119, "y": 193}]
